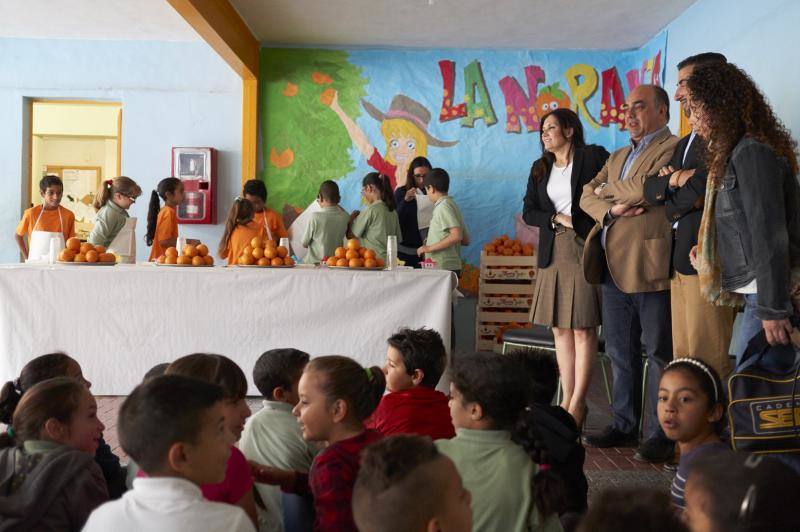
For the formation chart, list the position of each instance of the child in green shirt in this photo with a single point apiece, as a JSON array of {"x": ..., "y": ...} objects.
[
  {"x": 327, "y": 228},
  {"x": 447, "y": 230},
  {"x": 379, "y": 220}
]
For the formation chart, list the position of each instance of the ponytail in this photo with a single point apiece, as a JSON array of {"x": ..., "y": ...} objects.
[
  {"x": 166, "y": 186},
  {"x": 383, "y": 185},
  {"x": 344, "y": 378},
  {"x": 241, "y": 213},
  {"x": 109, "y": 187},
  {"x": 10, "y": 395}
]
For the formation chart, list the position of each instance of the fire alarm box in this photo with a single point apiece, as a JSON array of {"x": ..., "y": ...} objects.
[{"x": 197, "y": 169}]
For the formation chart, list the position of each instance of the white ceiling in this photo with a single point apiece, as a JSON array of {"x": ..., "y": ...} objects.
[{"x": 527, "y": 24}]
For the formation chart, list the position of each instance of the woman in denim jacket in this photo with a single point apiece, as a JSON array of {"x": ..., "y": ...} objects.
[{"x": 750, "y": 249}]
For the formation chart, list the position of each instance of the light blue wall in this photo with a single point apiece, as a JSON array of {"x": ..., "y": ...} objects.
[
  {"x": 760, "y": 37},
  {"x": 173, "y": 94}
]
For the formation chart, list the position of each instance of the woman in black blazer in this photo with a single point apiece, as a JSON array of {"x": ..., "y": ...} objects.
[{"x": 562, "y": 298}]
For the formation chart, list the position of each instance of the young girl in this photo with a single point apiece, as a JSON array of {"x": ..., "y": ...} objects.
[
  {"x": 495, "y": 451},
  {"x": 162, "y": 225},
  {"x": 379, "y": 220},
  {"x": 48, "y": 478},
  {"x": 47, "y": 367},
  {"x": 240, "y": 229},
  {"x": 327, "y": 228},
  {"x": 113, "y": 227},
  {"x": 691, "y": 408},
  {"x": 237, "y": 488},
  {"x": 336, "y": 396}
]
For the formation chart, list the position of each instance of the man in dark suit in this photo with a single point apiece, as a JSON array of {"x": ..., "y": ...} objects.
[{"x": 699, "y": 329}]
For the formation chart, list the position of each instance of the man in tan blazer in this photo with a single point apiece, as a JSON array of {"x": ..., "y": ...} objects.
[{"x": 628, "y": 252}]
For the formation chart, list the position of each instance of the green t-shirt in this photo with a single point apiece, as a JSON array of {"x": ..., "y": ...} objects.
[
  {"x": 374, "y": 224},
  {"x": 446, "y": 215},
  {"x": 110, "y": 220},
  {"x": 324, "y": 233}
]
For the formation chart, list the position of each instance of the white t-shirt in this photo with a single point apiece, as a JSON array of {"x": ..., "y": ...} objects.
[
  {"x": 559, "y": 189},
  {"x": 166, "y": 504}
]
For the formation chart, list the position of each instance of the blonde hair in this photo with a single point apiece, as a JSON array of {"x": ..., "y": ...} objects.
[
  {"x": 400, "y": 127},
  {"x": 122, "y": 185}
]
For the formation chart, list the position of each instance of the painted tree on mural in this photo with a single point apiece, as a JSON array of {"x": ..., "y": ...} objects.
[{"x": 295, "y": 91}]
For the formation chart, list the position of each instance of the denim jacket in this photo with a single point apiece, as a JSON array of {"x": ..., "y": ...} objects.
[{"x": 758, "y": 226}]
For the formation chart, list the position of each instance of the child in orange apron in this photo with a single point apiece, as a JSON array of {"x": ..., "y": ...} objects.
[
  {"x": 162, "y": 225},
  {"x": 43, "y": 222},
  {"x": 255, "y": 192},
  {"x": 240, "y": 229}
]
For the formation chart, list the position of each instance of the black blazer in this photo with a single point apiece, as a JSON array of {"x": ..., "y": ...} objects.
[
  {"x": 683, "y": 205},
  {"x": 538, "y": 209}
]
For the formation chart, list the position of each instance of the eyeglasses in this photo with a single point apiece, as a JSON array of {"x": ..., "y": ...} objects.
[
  {"x": 420, "y": 176},
  {"x": 132, "y": 198}
]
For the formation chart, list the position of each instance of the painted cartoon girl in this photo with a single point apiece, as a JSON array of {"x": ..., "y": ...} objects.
[{"x": 405, "y": 129}]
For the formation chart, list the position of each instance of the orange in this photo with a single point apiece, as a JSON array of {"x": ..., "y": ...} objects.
[
  {"x": 353, "y": 243},
  {"x": 197, "y": 260},
  {"x": 109, "y": 257},
  {"x": 340, "y": 253},
  {"x": 171, "y": 252},
  {"x": 160, "y": 259},
  {"x": 342, "y": 262},
  {"x": 269, "y": 243},
  {"x": 277, "y": 261},
  {"x": 370, "y": 263},
  {"x": 66, "y": 255},
  {"x": 86, "y": 247},
  {"x": 288, "y": 261},
  {"x": 80, "y": 257},
  {"x": 91, "y": 256},
  {"x": 258, "y": 253},
  {"x": 488, "y": 248},
  {"x": 369, "y": 254},
  {"x": 247, "y": 260},
  {"x": 361, "y": 252},
  {"x": 508, "y": 251},
  {"x": 332, "y": 261},
  {"x": 282, "y": 251},
  {"x": 171, "y": 259},
  {"x": 270, "y": 253},
  {"x": 381, "y": 262},
  {"x": 264, "y": 261},
  {"x": 184, "y": 260},
  {"x": 248, "y": 250},
  {"x": 351, "y": 254},
  {"x": 209, "y": 260},
  {"x": 190, "y": 251},
  {"x": 202, "y": 250},
  {"x": 256, "y": 242},
  {"x": 100, "y": 249},
  {"x": 74, "y": 245},
  {"x": 356, "y": 263},
  {"x": 527, "y": 250}
]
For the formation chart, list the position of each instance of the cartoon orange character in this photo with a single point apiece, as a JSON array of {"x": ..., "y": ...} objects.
[{"x": 551, "y": 98}]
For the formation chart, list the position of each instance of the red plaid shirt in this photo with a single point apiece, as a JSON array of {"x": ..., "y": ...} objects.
[{"x": 331, "y": 480}]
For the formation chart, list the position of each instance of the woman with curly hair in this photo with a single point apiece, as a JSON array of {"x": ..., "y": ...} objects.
[{"x": 749, "y": 242}]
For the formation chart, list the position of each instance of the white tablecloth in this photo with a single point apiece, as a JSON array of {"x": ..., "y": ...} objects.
[{"x": 120, "y": 321}]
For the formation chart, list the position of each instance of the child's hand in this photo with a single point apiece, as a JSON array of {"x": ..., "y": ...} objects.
[
  {"x": 354, "y": 214},
  {"x": 422, "y": 250},
  {"x": 271, "y": 475}
]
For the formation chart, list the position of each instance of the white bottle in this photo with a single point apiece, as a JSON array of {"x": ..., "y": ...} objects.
[
  {"x": 180, "y": 244},
  {"x": 391, "y": 252}
]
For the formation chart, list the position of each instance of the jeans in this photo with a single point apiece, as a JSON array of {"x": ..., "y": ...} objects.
[{"x": 629, "y": 320}]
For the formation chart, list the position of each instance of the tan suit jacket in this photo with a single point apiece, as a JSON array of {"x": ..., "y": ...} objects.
[{"x": 638, "y": 248}]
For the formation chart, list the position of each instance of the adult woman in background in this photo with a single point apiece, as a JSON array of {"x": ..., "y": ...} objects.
[{"x": 414, "y": 210}]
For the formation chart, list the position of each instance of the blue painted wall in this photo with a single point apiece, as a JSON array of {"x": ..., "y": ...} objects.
[{"x": 173, "y": 94}]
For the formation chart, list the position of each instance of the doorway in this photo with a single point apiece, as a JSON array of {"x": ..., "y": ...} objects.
[{"x": 80, "y": 142}]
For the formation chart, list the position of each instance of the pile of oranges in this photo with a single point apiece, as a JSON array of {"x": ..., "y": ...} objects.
[
  {"x": 192, "y": 256},
  {"x": 77, "y": 251},
  {"x": 354, "y": 256},
  {"x": 265, "y": 253},
  {"x": 503, "y": 246}
]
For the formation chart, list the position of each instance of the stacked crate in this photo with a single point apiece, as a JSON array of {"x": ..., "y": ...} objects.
[{"x": 505, "y": 293}]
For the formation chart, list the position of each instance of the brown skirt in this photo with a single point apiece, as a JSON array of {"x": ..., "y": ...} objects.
[{"x": 562, "y": 298}]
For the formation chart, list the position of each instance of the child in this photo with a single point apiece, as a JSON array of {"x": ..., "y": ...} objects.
[
  {"x": 113, "y": 225},
  {"x": 327, "y": 228},
  {"x": 379, "y": 219},
  {"x": 240, "y": 229},
  {"x": 494, "y": 446},
  {"x": 336, "y": 396},
  {"x": 691, "y": 408},
  {"x": 46, "y": 367},
  {"x": 447, "y": 230},
  {"x": 174, "y": 428},
  {"x": 623, "y": 509},
  {"x": 415, "y": 360},
  {"x": 237, "y": 487},
  {"x": 49, "y": 220},
  {"x": 48, "y": 478},
  {"x": 272, "y": 435},
  {"x": 255, "y": 191},
  {"x": 405, "y": 485},
  {"x": 162, "y": 225}
]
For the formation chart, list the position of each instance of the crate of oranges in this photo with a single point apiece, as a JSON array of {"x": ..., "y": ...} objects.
[
  {"x": 263, "y": 253},
  {"x": 85, "y": 254},
  {"x": 191, "y": 255},
  {"x": 355, "y": 256}
]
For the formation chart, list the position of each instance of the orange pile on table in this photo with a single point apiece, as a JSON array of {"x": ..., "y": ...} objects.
[
  {"x": 77, "y": 251},
  {"x": 191, "y": 256},
  {"x": 355, "y": 256},
  {"x": 264, "y": 252}
]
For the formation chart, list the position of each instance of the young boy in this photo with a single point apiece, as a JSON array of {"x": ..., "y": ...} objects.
[
  {"x": 174, "y": 428},
  {"x": 256, "y": 192},
  {"x": 415, "y": 360},
  {"x": 273, "y": 437},
  {"x": 327, "y": 228},
  {"x": 447, "y": 231},
  {"x": 406, "y": 485},
  {"x": 49, "y": 217}
]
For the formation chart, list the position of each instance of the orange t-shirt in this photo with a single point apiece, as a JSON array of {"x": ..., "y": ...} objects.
[
  {"x": 49, "y": 222},
  {"x": 240, "y": 238},
  {"x": 273, "y": 220},
  {"x": 166, "y": 228}
]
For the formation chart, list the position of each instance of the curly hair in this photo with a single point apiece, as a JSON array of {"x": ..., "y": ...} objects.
[{"x": 734, "y": 107}]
